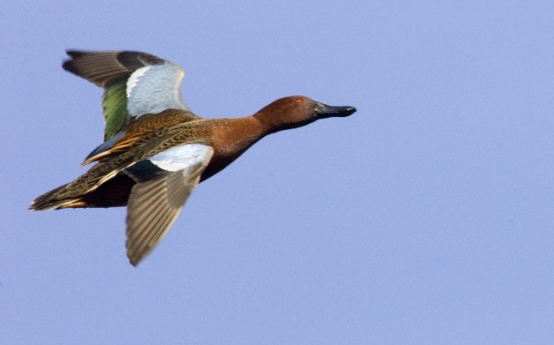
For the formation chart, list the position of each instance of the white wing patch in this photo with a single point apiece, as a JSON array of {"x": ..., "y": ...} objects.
[
  {"x": 155, "y": 88},
  {"x": 182, "y": 157},
  {"x": 133, "y": 79}
]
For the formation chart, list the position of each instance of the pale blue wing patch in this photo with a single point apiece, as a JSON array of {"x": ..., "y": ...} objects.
[
  {"x": 178, "y": 158},
  {"x": 182, "y": 157},
  {"x": 135, "y": 83},
  {"x": 155, "y": 88},
  {"x": 148, "y": 90}
]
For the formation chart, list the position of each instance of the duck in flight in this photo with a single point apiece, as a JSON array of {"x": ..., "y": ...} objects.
[{"x": 155, "y": 150}]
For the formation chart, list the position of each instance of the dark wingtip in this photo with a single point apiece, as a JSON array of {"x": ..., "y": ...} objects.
[
  {"x": 68, "y": 64},
  {"x": 73, "y": 53},
  {"x": 134, "y": 263}
]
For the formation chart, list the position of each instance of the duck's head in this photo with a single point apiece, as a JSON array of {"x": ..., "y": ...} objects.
[{"x": 296, "y": 111}]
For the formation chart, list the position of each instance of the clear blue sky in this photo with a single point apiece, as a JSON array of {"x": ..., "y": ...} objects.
[{"x": 425, "y": 218}]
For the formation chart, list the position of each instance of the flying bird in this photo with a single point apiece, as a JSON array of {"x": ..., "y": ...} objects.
[{"x": 155, "y": 149}]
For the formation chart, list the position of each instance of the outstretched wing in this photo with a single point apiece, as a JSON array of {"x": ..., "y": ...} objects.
[
  {"x": 165, "y": 181},
  {"x": 134, "y": 83}
]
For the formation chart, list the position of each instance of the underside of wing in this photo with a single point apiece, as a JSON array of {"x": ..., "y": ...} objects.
[{"x": 158, "y": 198}]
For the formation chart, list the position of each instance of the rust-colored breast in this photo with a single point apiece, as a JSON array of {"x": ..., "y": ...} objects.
[{"x": 230, "y": 138}]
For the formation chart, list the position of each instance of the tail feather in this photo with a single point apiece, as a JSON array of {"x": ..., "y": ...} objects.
[
  {"x": 112, "y": 193},
  {"x": 52, "y": 200}
]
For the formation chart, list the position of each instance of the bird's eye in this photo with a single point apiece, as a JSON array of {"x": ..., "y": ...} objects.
[{"x": 298, "y": 101}]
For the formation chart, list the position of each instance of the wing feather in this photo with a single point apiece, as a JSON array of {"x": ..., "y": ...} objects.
[
  {"x": 134, "y": 83},
  {"x": 155, "y": 204}
]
